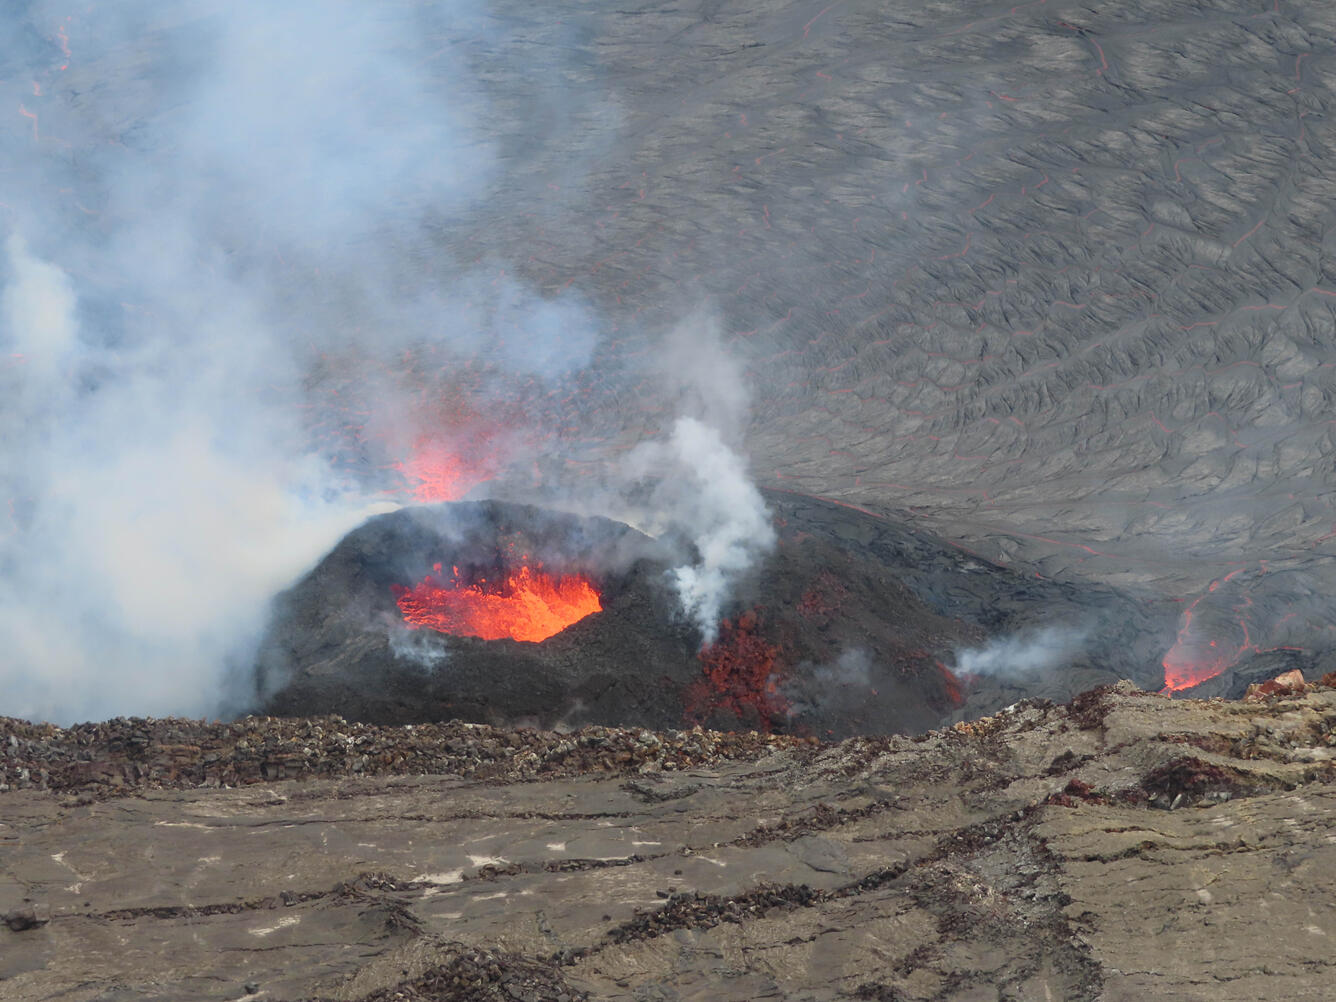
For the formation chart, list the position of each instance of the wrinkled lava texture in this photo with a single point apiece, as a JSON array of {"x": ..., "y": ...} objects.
[{"x": 851, "y": 626}]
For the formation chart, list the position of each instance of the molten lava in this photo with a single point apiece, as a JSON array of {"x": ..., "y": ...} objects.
[
  {"x": 1197, "y": 657},
  {"x": 439, "y": 472},
  {"x": 1192, "y": 660},
  {"x": 528, "y": 605}
]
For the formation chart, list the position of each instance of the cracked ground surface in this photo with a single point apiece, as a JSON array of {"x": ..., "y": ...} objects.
[{"x": 1027, "y": 855}]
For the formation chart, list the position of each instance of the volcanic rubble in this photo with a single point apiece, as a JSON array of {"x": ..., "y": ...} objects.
[
  {"x": 1125, "y": 845},
  {"x": 136, "y": 753}
]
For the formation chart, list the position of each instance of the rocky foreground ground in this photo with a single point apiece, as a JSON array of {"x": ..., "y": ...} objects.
[{"x": 1124, "y": 846}]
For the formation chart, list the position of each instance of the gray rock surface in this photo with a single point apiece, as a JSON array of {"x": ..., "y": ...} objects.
[{"x": 1029, "y": 855}]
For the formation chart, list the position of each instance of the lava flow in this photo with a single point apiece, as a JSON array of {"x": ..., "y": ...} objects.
[
  {"x": 1197, "y": 657},
  {"x": 528, "y": 605},
  {"x": 742, "y": 672},
  {"x": 1192, "y": 660}
]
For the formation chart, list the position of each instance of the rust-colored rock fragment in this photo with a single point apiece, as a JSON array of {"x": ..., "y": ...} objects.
[{"x": 1290, "y": 681}]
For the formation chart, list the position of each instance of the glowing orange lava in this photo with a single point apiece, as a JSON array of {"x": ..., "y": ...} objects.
[
  {"x": 1195, "y": 658},
  {"x": 439, "y": 472},
  {"x": 527, "y": 605},
  {"x": 1192, "y": 660}
]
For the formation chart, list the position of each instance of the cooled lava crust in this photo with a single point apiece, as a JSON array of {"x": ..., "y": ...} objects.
[{"x": 851, "y": 626}]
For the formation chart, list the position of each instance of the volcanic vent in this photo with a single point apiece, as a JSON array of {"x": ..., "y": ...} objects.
[
  {"x": 523, "y": 603},
  {"x": 513, "y": 614},
  {"x": 482, "y": 611}
]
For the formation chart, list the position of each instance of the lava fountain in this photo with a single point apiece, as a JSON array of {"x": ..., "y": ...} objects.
[
  {"x": 438, "y": 471},
  {"x": 526, "y": 604}
]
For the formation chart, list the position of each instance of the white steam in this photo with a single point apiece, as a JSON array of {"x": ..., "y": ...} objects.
[
  {"x": 214, "y": 202},
  {"x": 149, "y": 530},
  {"x": 700, "y": 487},
  {"x": 424, "y": 648},
  {"x": 704, "y": 491},
  {"x": 1023, "y": 654},
  {"x": 704, "y": 378},
  {"x": 228, "y": 227},
  {"x": 844, "y": 686}
]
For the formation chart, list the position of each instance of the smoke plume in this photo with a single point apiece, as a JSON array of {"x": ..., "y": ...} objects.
[
  {"x": 699, "y": 487},
  {"x": 706, "y": 494},
  {"x": 217, "y": 217},
  {"x": 841, "y": 687},
  {"x": 1026, "y": 653}
]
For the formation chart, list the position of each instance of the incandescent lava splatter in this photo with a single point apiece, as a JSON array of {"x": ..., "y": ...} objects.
[
  {"x": 527, "y": 605},
  {"x": 742, "y": 673},
  {"x": 437, "y": 471}
]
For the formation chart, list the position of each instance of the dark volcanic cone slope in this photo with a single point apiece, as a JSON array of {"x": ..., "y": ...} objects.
[
  {"x": 339, "y": 643},
  {"x": 939, "y": 587},
  {"x": 853, "y": 625}
]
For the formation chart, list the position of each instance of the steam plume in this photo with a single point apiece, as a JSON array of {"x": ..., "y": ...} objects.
[
  {"x": 1023, "y": 653},
  {"x": 841, "y": 687},
  {"x": 706, "y": 493},
  {"x": 214, "y": 203},
  {"x": 701, "y": 489}
]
